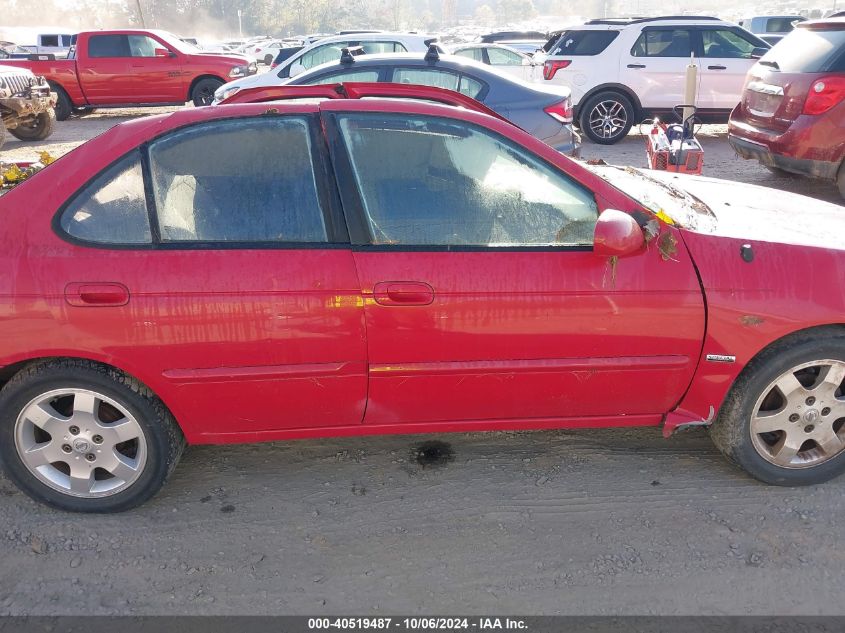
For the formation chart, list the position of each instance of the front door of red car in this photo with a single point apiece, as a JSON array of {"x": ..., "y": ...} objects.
[
  {"x": 156, "y": 67},
  {"x": 227, "y": 284},
  {"x": 483, "y": 298}
]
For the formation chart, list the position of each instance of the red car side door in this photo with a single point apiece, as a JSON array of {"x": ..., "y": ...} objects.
[
  {"x": 227, "y": 285},
  {"x": 483, "y": 298}
]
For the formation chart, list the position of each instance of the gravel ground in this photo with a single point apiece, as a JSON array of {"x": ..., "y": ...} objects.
[{"x": 556, "y": 522}]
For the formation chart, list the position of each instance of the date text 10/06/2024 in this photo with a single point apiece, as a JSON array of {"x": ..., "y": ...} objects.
[{"x": 417, "y": 624}]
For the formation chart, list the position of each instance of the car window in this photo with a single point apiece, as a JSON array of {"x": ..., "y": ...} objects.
[
  {"x": 781, "y": 25},
  {"x": 472, "y": 53},
  {"x": 725, "y": 43},
  {"x": 583, "y": 42},
  {"x": 112, "y": 209},
  {"x": 663, "y": 43},
  {"x": 322, "y": 54},
  {"x": 237, "y": 181},
  {"x": 470, "y": 87},
  {"x": 143, "y": 46},
  {"x": 429, "y": 181},
  {"x": 108, "y": 46},
  {"x": 426, "y": 77},
  {"x": 348, "y": 75},
  {"x": 49, "y": 40},
  {"x": 503, "y": 57},
  {"x": 377, "y": 48}
]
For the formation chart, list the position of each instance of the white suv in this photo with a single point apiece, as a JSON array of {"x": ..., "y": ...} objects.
[
  {"x": 328, "y": 50},
  {"x": 622, "y": 72}
]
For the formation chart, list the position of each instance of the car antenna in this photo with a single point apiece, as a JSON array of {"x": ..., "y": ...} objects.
[{"x": 432, "y": 54}]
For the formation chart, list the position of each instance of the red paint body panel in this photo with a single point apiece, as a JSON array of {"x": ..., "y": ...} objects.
[
  {"x": 247, "y": 345},
  {"x": 130, "y": 80}
]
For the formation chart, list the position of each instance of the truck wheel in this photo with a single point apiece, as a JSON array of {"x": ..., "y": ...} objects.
[
  {"x": 203, "y": 92},
  {"x": 606, "y": 118},
  {"x": 64, "y": 107},
  {"x": 84, "y": 437},
  {"x": 784, "y": 419},
  {"x": 84, "y": 110},
  {"x": 40, "y": 129}
]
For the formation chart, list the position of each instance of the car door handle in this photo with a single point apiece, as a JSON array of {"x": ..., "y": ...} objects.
[
  {"x": 636, "y": 65},
  {"x": 403, "y": 293},
  {"x": 92, "y": 295},
  {"x": 717, "y": 68}
]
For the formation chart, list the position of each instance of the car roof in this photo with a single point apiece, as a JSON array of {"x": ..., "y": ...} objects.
[{"x": 622, "y": 23}]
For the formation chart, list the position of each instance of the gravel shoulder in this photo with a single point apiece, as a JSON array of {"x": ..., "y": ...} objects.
[{"x": 552, "y": 522}]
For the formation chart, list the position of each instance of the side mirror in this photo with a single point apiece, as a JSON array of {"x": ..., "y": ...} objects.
[
  {"x": 758, "y": 51},
  {"x": 163, "y": 52},
  {"x": 617, "y": 234}
]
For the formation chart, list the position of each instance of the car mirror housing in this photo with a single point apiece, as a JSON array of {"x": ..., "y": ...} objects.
[
  {"x": 758, "y": 51},
  {"x": 617, "y": 234}
]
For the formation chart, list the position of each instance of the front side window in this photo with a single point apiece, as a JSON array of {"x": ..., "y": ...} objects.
[
  {"x": 663, "y": 43},
  {"x": 781, "y": 25},
  {"x": 108, "y": 46},
  {"x": 350, "y": 75},
  {"x": 472, "y": 53},
  {"x": 427, "y": 181},
  {"x": 112, "y": 209},
  {"x": 503, "y": 57},
  {"x": 322, "y": 54},
  {"x": 237, "y": 181},
  {"x": 378, "y": 48},
  {"x": 49, "y": 40},
  {"x": 727, "y": 44},
  {"x": 143, "y": 46},
  {"x": 426, "y": 77}
]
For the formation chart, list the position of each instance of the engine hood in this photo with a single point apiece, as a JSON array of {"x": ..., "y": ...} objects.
[{"x": 729, "y": 209}]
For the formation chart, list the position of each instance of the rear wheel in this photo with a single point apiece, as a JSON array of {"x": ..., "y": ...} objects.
[
  {"x": 784, "y": 420},
  {"x": 606, "y": 118},
  {"x": 64, "y": 107},
  {"x": 203, "y": 92},
  {"x": 38, "y": 130},
  {"x": 83, "y": 437}
]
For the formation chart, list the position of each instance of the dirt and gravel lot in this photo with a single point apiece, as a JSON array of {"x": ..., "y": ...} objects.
[{"x": 555, "y": 522}]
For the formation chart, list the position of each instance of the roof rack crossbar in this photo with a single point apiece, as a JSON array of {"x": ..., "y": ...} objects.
[{"x": 639, "y": 20}]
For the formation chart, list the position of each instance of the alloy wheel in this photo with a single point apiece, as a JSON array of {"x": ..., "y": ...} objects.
[
  {"x": 80, "y": 442},
  {"x": 608, "y": 118},
  {"x": 799, "y": 420}
]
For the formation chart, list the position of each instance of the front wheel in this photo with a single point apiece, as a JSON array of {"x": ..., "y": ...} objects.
[
  {"x": 784, "y": 420},
  {"x": 203, "y": 92},
  {"x": 64, "y": 106},
  {"x": 38, "y": 129},
  {"x": 83, "y": 437},
  {"x": 606, "y": 118}
]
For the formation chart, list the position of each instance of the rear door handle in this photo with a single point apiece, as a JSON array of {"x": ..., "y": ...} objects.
[
  {"x": 96, "y": 294},
  {"x": 636, "y": 65},
  {"x": 403, "y": 293},
  {"x": 717, "y": 68}
]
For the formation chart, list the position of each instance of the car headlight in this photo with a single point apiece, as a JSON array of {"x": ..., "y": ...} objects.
[
  {"x": 239, "y": 71},
  {"x": 224, "y": 92},
  {"x": 252, "y": 68}
]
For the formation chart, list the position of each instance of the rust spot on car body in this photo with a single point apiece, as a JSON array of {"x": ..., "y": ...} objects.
[{"x": 750, "y": 320}]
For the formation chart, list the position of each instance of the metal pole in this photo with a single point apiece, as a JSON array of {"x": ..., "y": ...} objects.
[
  {"x": 240, "y": 24},
  {"x": 141, "y": 14}
]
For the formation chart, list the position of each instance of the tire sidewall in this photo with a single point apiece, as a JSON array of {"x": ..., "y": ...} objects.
[
  {"x": 44, "y": 130},
  {"x": 14, "y": 397},
  {"x": 64, "y": 108},
  {"x": 740, "y": 407},
  {"x": 212, "y": 84},
  {"x": 584, "y": 117}
]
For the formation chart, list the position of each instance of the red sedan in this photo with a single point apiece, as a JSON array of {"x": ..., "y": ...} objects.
[{"x": 342, "y": 266}]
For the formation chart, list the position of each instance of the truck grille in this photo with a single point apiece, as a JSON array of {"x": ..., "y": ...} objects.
[{"x": 17, "y": 83}]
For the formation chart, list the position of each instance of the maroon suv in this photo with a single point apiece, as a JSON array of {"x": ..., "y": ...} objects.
[{"x": 792, "y": 114}]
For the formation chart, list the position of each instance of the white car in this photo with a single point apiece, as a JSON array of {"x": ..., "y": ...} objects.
[
  {"x": 328, "y": 50},
  {"x": 264, "y": 51},
  {"x": 502, "y": 58},
  {"x": 622, "y": 72}
]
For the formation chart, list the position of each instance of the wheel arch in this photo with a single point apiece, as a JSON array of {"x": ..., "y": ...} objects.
[
  {"x": 198, "y": 79},
  {"x": 611, "y": 87},
  {"x": 704, "y": 399}
]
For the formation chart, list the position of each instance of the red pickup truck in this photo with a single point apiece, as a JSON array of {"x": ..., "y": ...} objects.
[{"x": 130, "y": 67}]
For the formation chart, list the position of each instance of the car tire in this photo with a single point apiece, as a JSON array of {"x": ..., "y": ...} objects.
[
  {"x": 202, "y": 93},
  {"x": 39, "y": 130},
  {"x": 2, "y": 134},
  {"x": 84, "y": 437},
  {"x": 783, "y": 421},
  {"x": 64, "y": 106},
  {"x": 268, "y": 59},
  {"x": 84, "y": 111},
  {"x": 607, "y": 117},
  {"x": 840, "y": 180}
]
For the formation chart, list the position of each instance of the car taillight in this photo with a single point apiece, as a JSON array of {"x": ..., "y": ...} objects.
[
  {"x": 273, "y": 65},
  {"x": 553, "y": 65},
  {"x": 561, "y": 111},
  {"x": 824, "y": 94},
  {"x": 257, "y": 50}
]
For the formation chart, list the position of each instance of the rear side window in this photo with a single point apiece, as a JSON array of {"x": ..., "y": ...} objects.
[
  {"x": 237, "y": 181},
  {"x": 112, "y": 209},
  {"x": 781, "y": 25},
  {"x": 377, "y": 48},
  {"x": 472, "y": 53},
  {"x": 439, "y": 79},
  {"x": 584, "y": 42},
  {"x": 808, "y": 51},
  {"x": 49, "y": 40},
  {"x": 108, "y": 46},
  {"x": 503, "y": 57},
  {"x": 322, "y": 54},
  {"x": 726, "y": 44},
  {"x": 663, "y": 43},
  {"x": 350, "y": 75}
]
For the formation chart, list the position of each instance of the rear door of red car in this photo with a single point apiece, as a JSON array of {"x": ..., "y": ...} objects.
[
  {"x": 483, "y": 298},
  {"x": 215, "y": 263}
]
